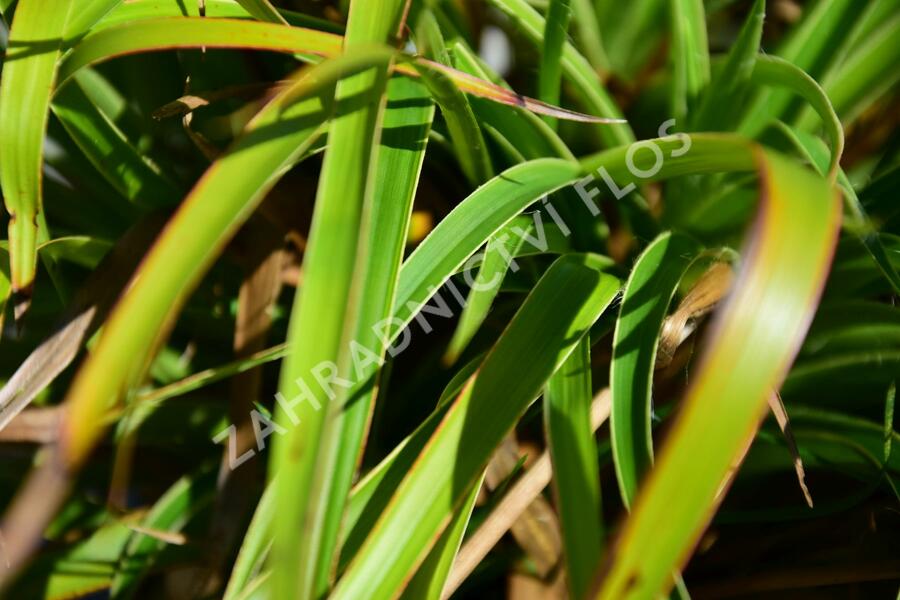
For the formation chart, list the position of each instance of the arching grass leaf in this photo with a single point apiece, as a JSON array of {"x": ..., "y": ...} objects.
[
  {"x": 728, "y": 392},
  {"x": 651, "y": 285},
  {"x": 29, "y": 70},
  {"x": 570, "y": 437}
]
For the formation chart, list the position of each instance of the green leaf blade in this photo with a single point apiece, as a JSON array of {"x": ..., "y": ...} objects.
[
  {"x": 556, "y": 30},
  {"x": 573, "y": 452},
  {"x": 652, "y": 284},
  {"x": 684, "y": 486},
  {"x": 475, "y": 423},
  {"x": 29, "y": 70},
  {"x": 326, "y": 311}
]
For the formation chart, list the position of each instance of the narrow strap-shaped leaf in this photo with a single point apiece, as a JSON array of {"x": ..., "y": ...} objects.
[
  {"x": 88, "y": 14},
  {"x": 690, "y": 54},
  {"x": 262, "y": 10},
  {"x": 373, "y": 493},
  {"x": 29, "y": 70},
  {"x": 470, "y": 224},
  {"x": 814, "y": 150},
  {"x": 651, "y": 285},
  {"x": 870, "y": 435},
  {"x": 132, "y": 175},
  {"x": 257, "y": 542},
  {"x": 587, "y": 32},
  {"x": 776, "y": 71},
  {"x": 535, "y": 344},
  {"x": 782, "y": 276},
  {"x": 576, "y": 69},
  {"x": 465, "y": 134},
  {"x": 498, "y": 255},
  {"x": 528, "y": 133},
  {"x": 137, "y": 10},
  {"x": 865, "y": 76},
  {"x": 814, "y": 42},
  {"x": 717, "y": 108},
  {"x": 430, "y": 578},
  {"x": 630, "y": 32},
  {"x": 141, "y": 10},
  {"x": 576, "y": 479},
  {"x": 770, "y": 71},
  {"x": 486, "y": 89},
  {"x": 875, "y": 15},
  {"x": 812, "y": 46},
  {"x": 193, "y": 32},
  {"x": 396, "y": 170},
  {"x": 164, "y": 33},
  {"x": 556, "y": 33},
  {"x": 327, "y": 311}
]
